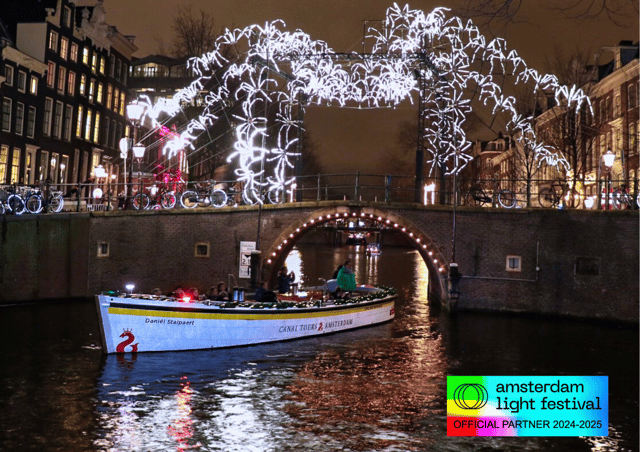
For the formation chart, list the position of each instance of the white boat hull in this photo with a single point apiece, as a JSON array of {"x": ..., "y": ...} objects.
[{"x": 132, "y": 324}]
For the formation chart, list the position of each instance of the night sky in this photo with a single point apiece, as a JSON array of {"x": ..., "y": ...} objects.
[{"x": 340, "y": 23}]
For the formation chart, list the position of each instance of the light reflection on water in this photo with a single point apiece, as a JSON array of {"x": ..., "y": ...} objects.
[{"x": 375, "y": 389}]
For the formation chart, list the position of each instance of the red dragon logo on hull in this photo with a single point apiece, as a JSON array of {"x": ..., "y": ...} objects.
[{"x": 120, "y": 348}]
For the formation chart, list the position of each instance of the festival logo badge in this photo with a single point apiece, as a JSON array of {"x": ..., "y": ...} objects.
[{"x": 527, "y": 406}]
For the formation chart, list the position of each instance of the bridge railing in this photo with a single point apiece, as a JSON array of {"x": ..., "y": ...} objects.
[{"x": 94, "y": 196}]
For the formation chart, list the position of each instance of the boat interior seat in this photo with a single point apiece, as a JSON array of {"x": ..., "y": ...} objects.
[{"x": 332, "y": 285}]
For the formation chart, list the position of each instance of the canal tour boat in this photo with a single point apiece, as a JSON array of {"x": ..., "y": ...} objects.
[{"x": 145, "y": 323}]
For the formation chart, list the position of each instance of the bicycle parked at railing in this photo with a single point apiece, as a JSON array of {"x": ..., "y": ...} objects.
[
  {"x": 622, "y": 199},
  {"x": 49, "y": 201},
  {"x": 11, "y": 201},
  {"x": 477, "y": 197},
  {"x": 559, "y": 194},
  {"x": 203, "y": 195},
  {"x": 157, "y": 199}
]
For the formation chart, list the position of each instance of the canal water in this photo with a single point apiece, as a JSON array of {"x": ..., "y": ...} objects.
[{"x": 375, "y": 389}]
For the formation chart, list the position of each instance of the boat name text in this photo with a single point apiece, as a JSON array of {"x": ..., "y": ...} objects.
[{"x": 169, "y": 321}]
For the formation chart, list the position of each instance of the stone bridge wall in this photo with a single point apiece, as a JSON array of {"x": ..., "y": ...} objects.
[{"x": 57, "y": 256}]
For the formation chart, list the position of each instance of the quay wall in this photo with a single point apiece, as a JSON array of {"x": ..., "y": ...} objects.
[{"x": 572, "y": 262}]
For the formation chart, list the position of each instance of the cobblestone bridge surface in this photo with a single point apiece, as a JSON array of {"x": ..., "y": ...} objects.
[{"x": 571, "y": 262}]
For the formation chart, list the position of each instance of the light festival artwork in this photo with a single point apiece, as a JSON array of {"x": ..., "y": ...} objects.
[{"x": 445, "y": 62}]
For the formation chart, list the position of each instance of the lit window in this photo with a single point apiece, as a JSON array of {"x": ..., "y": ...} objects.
[
  {"x": 92, "y": 89},
  {"x": 102, "y": 62},
  {"x": 33, "y": 85},
  {"x": 71, "y": 85},
  {"x": 99, "y": 95},
  {"x": 79, "y": 122},
  {"x": 4, "y": 161},
  {"x": 85, "y": 55},
  {"x": 62, "y": 77},
  {"x": 94, "y": 63},
  {"x": 83, "y": 83},
  {"x": 87, "y": 126},
  {"x": 74, "y": 52},
  {"x": 53, "y": 41},
  {"x": 109, "y": 93},
  {"x": 122, "y": 102},
  {"x": 64, "y": 48},
  {"x": 51, "y": 73},
  {"x": 15, "y": 166},
  {"x": 96, "y": 128},
  {"x": 115, "y": 99}
]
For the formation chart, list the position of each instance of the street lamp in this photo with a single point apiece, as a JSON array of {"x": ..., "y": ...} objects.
[
  {"x": 134, "y": 114},
  {"x": 138, "y": 153},
  {"x": 608, "y": 159}
]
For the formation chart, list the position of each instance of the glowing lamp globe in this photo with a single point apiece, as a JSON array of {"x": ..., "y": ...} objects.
[
  {"x": 134, "y": 111},
  {"x": 99, "y": 171},
  {"x": 130, "y": 287},
  {"x": 138, "y": 151},
  {"x": 609, "y": 158},
  {"x": 97, "y": 193},
  {"x": 588, "y": 203}
]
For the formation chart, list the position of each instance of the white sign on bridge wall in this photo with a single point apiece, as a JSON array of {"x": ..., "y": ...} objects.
[{"x": 244, "y": 270}]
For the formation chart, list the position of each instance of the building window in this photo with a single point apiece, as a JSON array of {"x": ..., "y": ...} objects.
[
  {"x": 587, "y": 266},
  {"x": 15, "y": 166},
  {"x": 122, "y": 101},
  {"x": 57, "y": 121},
  {"x": 87, "y": 126},
  {"x": 116, "y": 95},
  {"x": 112, "y": 139},
  {"x": 53, "y": 173},
  {"x": 6, "y": 114},
  {"x": 31, "y": 122},
  {"x": 202, "y": 249},
  {"x": 79, "y": 122},
  {"x": 96, "y": 128},
  {"x": 118, "y": 69},
  {"x": 66, "y": 17},
  {"x": 85, "y": 55},
  {"x": 633, "y": 138},
  {"x": 83, "y": 83},
  {"x": 33, "y": 85},
  {"x": 105, "y": 133},
  {"x": 19, "y": 118},
  {"x": 43, "y": 170},
  {"x": 64, "y": 48},
  {"x": 46, "y": 120},
  {"x": 62, "y": 77},
  {"x": 22, "y": 81},
  {"x": 99, "y": 94},
  {"x": 8, "y": 75},
  {"x": 68, "y": 116},
  {"x": 109, "y": 93},
  {"x": 71, "y": 85},
  {"x": 514, "y": 264},
  {"x": 632, "y": 94},
  {"x": 94, "y": 63},
  {"x": 4, "y": 161},
  {"x": 53, "y": 41},
  {"x": 102, "y": 63},
  {"x": 51, "y": 73},
  {"x": 103, "y": 249},
  {"x": 92, "y": 89},
  {"x": 74, "y": 52}
]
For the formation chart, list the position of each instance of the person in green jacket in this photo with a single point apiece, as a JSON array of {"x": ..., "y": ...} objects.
[{"x": 346, "y": 278}]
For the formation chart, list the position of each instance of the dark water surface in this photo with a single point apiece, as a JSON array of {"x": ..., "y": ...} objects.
[{"x": 376, "y": 389}]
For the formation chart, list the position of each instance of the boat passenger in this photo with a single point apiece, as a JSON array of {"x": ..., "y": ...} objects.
[
  {"x": 156, "y": 291},
  {"x": 213, "y": 293},
  {"x": 260, "y": 291},
  {"x": 223, "y": 295},
  {"x": 335, "y": 273},
  {"x": 346, "y": 278},
  {"x": 285, "y": 279}
]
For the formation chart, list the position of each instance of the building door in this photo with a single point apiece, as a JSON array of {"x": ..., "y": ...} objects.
[{"x": 30, "y": 166}]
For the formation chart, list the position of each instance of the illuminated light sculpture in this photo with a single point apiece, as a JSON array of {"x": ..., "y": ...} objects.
[{"x": 444, "y": 60}]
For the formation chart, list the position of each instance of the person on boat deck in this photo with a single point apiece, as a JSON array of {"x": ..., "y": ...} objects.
[
  {"x": 335, "y": 273},
  {"x": 260, "y": 291},
  {"x": 213, "y": 293},
  {"x": 284, "y": 280},
  {"x": 346, "y": 278},
  {"x": 223, "y": 295}
]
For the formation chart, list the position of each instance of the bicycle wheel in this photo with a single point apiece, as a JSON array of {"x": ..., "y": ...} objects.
[
  {"x": 546, "y": 197},
  {"x": 168, "y": 200},
  {"x": 507, "y": 199},
  {"x": 618, "y": 200},
  {"x": 16, "y": 204},
  {"x": 34, "y": 203},
  {"x": 474, "y": 197},
  {"x": 218, "y": 198},
  {"x": 189, "y": 199},
  {"x": 56, "y": 203},
  {"x": 140, "y": 201}
]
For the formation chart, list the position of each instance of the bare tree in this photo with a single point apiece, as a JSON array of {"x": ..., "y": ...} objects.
[
  {"x": 195, "y": 32},
  {"x": 496, "y": 15}
]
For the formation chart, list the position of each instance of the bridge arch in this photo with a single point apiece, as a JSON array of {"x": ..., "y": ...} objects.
[{"x": 431, "y": 253}]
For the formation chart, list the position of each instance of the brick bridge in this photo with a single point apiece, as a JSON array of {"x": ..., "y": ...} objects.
[{"x": 570, "y": 262}]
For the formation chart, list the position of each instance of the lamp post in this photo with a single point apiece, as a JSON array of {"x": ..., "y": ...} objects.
[
  {"x": 138, "y": 153},
  {"x": 134, "y": 114},
  {"x": 608, "y": 159}
]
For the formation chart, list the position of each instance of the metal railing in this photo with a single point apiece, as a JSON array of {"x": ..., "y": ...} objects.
[{"x": 361, "y": 187}]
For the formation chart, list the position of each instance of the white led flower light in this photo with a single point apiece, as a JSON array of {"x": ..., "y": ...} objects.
[{"x": 448, "y": 62}]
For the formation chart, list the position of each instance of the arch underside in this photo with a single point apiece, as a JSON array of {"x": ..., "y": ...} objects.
[{"x": 432, "y": 255}]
